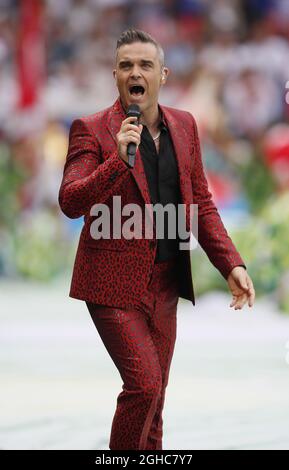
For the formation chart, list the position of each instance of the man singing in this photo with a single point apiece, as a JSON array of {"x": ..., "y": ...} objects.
[{"x": 131, "y": 285}]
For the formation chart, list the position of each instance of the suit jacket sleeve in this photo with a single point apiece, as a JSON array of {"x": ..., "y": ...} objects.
[
  {"x": 87, "y": 179},
  {"x": 212, "y": 235}
]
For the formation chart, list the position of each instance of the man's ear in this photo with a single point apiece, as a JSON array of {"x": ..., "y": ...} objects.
[
  {"x": 164, "y": 75},
  {"x": 114, "y": 73}
]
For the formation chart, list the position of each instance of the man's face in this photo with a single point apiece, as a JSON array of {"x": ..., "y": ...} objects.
[{"x": 138, "y": 64}]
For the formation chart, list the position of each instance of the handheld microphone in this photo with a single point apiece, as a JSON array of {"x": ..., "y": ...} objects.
[{"x": 133, "y": 110}]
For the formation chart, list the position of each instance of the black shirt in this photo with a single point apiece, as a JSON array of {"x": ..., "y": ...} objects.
[{"x": 163, "y": 182}]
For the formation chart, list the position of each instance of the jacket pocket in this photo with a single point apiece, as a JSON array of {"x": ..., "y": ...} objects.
[{"x": 108, "y": 244}]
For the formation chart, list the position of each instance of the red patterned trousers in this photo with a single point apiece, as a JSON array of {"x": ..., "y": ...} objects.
[{"x": 140, "y": 341}]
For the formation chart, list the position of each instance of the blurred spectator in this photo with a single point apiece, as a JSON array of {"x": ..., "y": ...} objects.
[
  {"x": 253, "y": 102},
  {"x": 229, "y": 63}
]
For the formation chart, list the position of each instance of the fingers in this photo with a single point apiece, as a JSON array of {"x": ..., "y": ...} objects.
[
  {"x": 234, "y": 300},
  {"x": 130, "y": 136},
  {"x": 132, "y": 127},
  {"x": 251, "y": 293},
  {"x": 129, "y": 119},
  {"x": 243, "y": 293},
  {"x": 130, "y": 122},
  {"x": 239, "y": 301},
  {"x": 130, "y": 132},
  {"x": 251, "y": 299}
]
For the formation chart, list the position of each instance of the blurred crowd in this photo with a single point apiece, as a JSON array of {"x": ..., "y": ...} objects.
[{"x": 229, "y": 67}]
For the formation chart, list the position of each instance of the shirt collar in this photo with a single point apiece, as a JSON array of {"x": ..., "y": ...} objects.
[{"x": 162, "y": 123}]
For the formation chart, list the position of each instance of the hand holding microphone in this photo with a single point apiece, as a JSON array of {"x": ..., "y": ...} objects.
[{"x": 129, "y": 135}]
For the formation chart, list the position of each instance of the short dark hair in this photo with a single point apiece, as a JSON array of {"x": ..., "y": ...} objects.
[{"x": 132, "y": 35}]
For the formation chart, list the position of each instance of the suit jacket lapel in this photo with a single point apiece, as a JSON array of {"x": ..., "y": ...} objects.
[
  {"x": 138, "y": 171},
  {"x": 183, "y": 158}
]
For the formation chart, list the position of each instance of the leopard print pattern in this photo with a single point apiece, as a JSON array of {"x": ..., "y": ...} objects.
[
  {"x": 116, "y": 272},
  {"x": 140, "y": 341}
]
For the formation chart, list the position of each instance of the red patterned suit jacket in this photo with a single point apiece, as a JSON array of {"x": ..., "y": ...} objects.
[{"x": 115, "y": 272}]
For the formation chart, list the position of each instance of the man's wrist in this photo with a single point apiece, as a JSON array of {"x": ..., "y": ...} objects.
[
  {"x": 241, "y": 266},
  {"x": 237, "y": 266},
  {"x": 127, "y": 164}
]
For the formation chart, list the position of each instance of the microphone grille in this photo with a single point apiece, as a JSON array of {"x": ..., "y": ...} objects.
[{"x": 133, "y": 110}]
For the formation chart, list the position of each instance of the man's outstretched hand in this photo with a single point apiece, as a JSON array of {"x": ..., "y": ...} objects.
[{"x": 241, "y": 286}]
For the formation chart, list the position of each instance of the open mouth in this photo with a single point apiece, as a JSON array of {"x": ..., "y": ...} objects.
[{"x": 136, "y": 90}]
